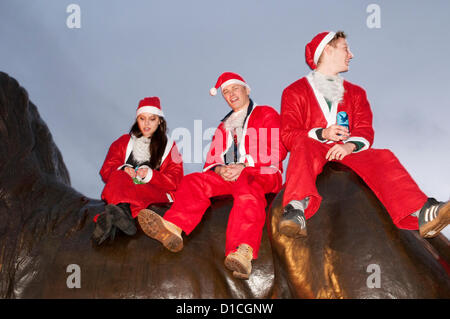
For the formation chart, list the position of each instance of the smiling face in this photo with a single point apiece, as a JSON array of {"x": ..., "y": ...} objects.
[
  {"x": 338, "y": 56},
  {"x": 148, "y": 123},
  {"x": 237, "y": 96}
]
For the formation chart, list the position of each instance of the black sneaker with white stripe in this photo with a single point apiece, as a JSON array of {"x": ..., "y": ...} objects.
[
  {"x": 293, "y": 222},
  {"x": 433, "y": 217}
]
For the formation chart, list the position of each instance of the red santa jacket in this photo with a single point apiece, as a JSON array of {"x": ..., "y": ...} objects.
[
  {"x": 166, "y": 178},
  {"x": 260, "y": 145},
  {"x": 304, "y": 110}
]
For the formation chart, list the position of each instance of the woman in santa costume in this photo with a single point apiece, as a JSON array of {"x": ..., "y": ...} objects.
[
  {"x": 309, "y": 111},
  {"x": 245, "y": 161},
  {"x": 141, "y": 168}
]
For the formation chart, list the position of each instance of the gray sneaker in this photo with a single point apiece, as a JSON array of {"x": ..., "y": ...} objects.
[
  {"x": 293, "y": 222},
  {"x": 433, "y": 217}
]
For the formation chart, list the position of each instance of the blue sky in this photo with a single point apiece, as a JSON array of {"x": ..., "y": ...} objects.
[{"x": 87, "y": 82}]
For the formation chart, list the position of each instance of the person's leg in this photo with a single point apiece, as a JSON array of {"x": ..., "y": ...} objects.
[
  {"x": 120, "y": 188},
  {"x": 306, "y": 162},
  {"x": 247, "y": 218},
  {"x": 146, "y": 195},
  {"x": 192, "y": 199},
  {"x": 248, "y": 214},
  {"x": 301, "y": 199},
  {"x": 118, "y": 192},
  {"x": 391, "y": 183}
]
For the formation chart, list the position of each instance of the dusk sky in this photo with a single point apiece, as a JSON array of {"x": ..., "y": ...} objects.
[{"x": 87, "y": 79}]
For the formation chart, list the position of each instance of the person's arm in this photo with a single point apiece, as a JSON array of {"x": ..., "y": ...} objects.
[
  {"x": 214, "y": 156},
  {"x": 292, "y": 127},
  {"x": 114, "y": 158},
  {"x": 170, "y": 173},
  {"x": 269, "y": 150},
  {"x": 361, "y": 130}
]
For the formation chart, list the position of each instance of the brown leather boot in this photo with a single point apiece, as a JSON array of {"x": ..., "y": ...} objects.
[
  {"x": 160, "y": 229},
  {"x": 240, "y": 261}
]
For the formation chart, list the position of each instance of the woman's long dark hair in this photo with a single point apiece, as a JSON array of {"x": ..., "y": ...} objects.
[{"x": 157, "y": 144}]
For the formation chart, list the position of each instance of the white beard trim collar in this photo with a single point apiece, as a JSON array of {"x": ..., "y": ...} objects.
[
  {"x": 141, "y": 148},
  {"x": 236, "y": 121},
  {"x": 331, "y": 87}
]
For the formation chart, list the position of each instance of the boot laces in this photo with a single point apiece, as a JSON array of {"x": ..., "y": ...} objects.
[{"x": 245, "y": 250}]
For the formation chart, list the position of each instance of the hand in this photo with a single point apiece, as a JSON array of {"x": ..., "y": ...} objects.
[
  {"x": 130, "y": 171},
  {"x": 142, "y": 172},
  {"x": 339, "y": 151},
  {"x": 335, "y": 133},
  {"x": 233, "y": 172},
  {"x": 229, "y": 173}
]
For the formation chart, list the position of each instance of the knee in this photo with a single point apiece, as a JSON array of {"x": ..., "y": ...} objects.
[
  {"x": 191, "y": 179},
  {"x": 305, "y": 144},
  {"x": 246, "y": 188},
  {"x": 382, "y": 155},
  {"x": 118, "y": 176}
]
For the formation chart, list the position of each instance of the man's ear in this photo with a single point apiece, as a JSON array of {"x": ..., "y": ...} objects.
[{"x": 328, "y": 48}]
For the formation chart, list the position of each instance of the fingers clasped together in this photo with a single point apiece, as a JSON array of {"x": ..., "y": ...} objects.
[
  {"x": 229, "y": 173},
  {"x": 141, "y": 172}
]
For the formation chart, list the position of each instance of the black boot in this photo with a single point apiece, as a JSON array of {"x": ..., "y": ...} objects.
[
  {"x": 433, "y": 217},
  {"x": 104, "y": 228},
  {"x": 123, "y": 218},
  {"x": 293, "y": 222}
]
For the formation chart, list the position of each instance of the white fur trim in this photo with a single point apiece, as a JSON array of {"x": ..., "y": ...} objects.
[
  {"x": 249, "y": 159},
  {"x": 359, "y": 139},
  {"x": 330, "y": 115},
  {"x": 322, "y": 45},
  {"x": 211, "y": 166},
  {"x": 233, "y": 81},
  {"x": 149, "y": 109},
  {"x": 312, "y": 134},
  {"x": 149, "y": 176},
  {"x": 167, "y": 150},
  {"x": 242, "y": 150},
  {"x": 129, "y": 149}
]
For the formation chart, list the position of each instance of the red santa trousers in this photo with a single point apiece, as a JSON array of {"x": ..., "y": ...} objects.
[
  {"x": 120, "y": 188},
  {"x": 248, "y": 215},
  {"x": 379, "y": 168}
]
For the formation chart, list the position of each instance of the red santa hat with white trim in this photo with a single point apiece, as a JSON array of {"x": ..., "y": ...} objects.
[
  {"x": 150, "y": 105},
  {"x": 228, "y": 78},
  {"x": 314, "y": 49}
]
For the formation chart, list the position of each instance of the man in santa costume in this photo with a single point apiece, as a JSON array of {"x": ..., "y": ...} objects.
[
  {"x": 245, "y": 161},
  {"x": 309, "y": 109}
]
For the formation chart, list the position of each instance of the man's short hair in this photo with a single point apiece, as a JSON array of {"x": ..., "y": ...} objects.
[{"x": 337, "y": 36}]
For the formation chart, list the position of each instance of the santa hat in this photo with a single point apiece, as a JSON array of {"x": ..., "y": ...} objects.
[
  {"x": 149, "y": 105},
  {"x": 314, "y": 49},
  {"x": 228, "y": 78}
]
